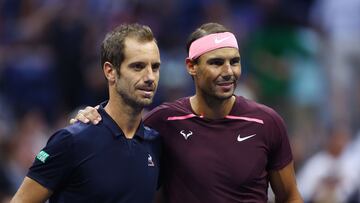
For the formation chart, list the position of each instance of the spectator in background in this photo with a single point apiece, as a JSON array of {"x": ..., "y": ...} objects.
[
  {"x": 351, "y": 165},
  {"x": 66, "y": 35},
  {"x": 322, "y": 177},
  {"x": 338, "y": 22},
  {"x": 5, "y": 192}
]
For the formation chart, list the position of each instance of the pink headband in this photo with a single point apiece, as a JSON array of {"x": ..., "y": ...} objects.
[{"x": 211, "y": 42}]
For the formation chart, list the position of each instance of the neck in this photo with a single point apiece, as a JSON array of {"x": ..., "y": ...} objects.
[
  {"x": 127, "y": 117},
  {"x": 211, "y": 107}
]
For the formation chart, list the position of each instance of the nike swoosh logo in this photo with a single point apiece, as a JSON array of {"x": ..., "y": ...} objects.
[
  {"x": 217, "y": 41},
  {"x": 240, "y": 139}
]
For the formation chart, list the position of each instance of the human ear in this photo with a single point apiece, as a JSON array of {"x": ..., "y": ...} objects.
[
  {"x": 190, "y": 66},
  {"x": 109, "y": 71}
]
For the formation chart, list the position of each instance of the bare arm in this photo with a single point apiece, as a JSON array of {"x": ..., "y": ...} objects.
[
  {"x": 31, "y": 191},
  {"x": 283, "y": 183},
  {"x": 89, "y": 114}
]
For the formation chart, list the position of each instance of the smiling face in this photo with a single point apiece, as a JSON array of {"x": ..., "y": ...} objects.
[
  {"x": 216, "y": 73},
  {"x": 138, "y": 76}
]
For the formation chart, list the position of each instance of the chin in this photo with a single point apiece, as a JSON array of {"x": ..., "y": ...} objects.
[
  {"x": 224, "y": 96},
  {"x": 144, "y": 102}
]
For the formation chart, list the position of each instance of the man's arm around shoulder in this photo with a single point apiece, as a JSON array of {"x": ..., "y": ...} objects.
[{"x": 31, "y": 191}]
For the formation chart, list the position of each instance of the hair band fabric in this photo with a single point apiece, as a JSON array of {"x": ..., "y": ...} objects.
[{"x": 212, "y": 42}]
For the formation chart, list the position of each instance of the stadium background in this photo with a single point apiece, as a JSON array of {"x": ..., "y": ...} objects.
[{"x": 49, "y": 68}]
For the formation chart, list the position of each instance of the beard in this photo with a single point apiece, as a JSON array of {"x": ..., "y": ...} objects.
[
  {"x": 130, "y": 96},
  {"x": 217, "y": 94},
  {"x": 220, "y": 96},
  {"x": 132, "y": 99}
]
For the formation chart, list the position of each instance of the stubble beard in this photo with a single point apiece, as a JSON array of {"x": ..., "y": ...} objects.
[
  {"x": 133, "y": 101},
  {"x": 215, "y": 93},
  {"x": 222, "y": 97}
]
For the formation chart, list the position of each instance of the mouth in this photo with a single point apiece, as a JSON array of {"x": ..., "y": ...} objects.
[
  {"x": 225, "y": 86},
  {"x": 147, "y": 92}
]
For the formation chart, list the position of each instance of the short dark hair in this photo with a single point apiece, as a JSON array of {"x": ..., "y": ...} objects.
[
  {"x": 203, "y": 30},
  {"x": 112, "y": 47}
]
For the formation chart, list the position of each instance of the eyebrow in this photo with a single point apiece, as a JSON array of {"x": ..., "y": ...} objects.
[
  {"x": 133, "y": 64},
  {"x": 236, "y": 58},
  {"x": 216, "y": 58}
]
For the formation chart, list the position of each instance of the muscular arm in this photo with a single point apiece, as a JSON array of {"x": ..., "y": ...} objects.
[
  {"x": 283, "y": 183},
  {"x": 31, "y": 191}
]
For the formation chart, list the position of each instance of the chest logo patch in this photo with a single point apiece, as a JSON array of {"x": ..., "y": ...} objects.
[
  {"x": 240, "y": 139},
  {"x": 150, "y": 161},
  {"x": 186, "y": 134}
]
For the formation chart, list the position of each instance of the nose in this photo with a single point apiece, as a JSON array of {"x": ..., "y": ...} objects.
[
  {"x": 227, "y": 72},
  {"x": 149, "y": 75}
]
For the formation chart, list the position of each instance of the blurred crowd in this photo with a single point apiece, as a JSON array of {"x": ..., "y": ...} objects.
[{"x": 300, "y": 57}]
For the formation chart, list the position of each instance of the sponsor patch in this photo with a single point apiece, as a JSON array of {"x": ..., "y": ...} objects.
[{"x": 42, "y": 156}]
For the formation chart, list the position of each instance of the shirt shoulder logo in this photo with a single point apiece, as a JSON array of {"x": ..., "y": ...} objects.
[
  {"x": 42, "y": 156},
  {"x": 240, "y": 139},
  {"x": 150, "y": 161},
  {"x": 186, "y": 134}
]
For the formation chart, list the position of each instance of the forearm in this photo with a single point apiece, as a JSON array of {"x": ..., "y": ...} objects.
[
  {"x": 288, "y": 196},
  {"x": 283, "y": 184},
  {"x": 295, "y": 199}
]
